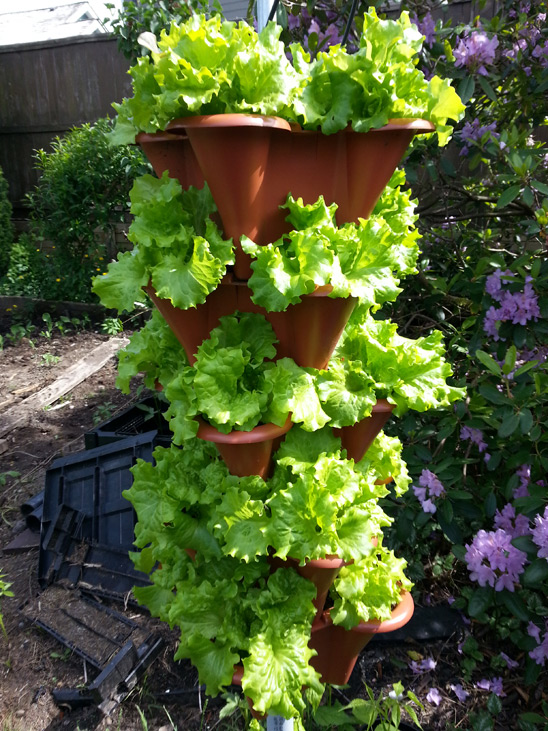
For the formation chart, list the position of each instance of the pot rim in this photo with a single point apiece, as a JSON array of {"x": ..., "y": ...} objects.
[
  {"x": 159, "y": 136},
  {"x": 231, "y": 119},
  {"x": 260, "y": 433},
  {"x": 401, "y": 614}
]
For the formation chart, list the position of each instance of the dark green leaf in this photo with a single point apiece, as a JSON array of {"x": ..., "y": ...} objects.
[
  {"x": 525, "y": 421},
  {"x": 493, "y": 394},
  {"x": 508, "y": 196},
  {"x": 451, "y": 530},
  {"x": 494, "y": 706},
  {"x": 466, "y": 89},
  {"x": 542, "y": 187},
  {"x": 525, "y": 544},
  {"x": 490, "y": 504},
  {"x": 480, "y": 601},
  {"x": 488, "y": 89},
  {"x": 514, "y": 604},
  {"x": 489, "y": 362},
  {"x": 535, "y": 573},
  {"x": 509, "y": 426}
]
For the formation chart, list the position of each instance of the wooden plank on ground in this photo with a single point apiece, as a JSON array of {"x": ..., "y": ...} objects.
[{"x": 92, "y": 362}]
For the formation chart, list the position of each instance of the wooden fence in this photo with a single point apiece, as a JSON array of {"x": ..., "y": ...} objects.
[{"x": 47, "y": 88}]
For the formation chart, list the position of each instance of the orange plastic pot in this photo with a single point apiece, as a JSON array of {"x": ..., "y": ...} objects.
[
  {"x": 357, "y": 439},
  {"x": 246, "y": 452},
  {"x": 338, "y": 649},
  {"x": 321, "y": 571},
  {"x": 307, "y": 331},
  {"x": 348, "y": 168},
  {"x": 232, "y": 151},
  {"x": 173, "y": 153}
]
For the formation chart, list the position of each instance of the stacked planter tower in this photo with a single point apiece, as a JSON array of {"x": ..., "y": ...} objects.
[{"x": 217, "y": 508}]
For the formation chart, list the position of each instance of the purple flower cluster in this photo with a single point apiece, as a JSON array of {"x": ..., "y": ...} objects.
[
  {"x": 515, "y": 307},
  {"x": 515, "y": 525},
  {"x": 430, "y": 487},
  {"x": 476, "y": 51},
  {"x": 476, "y": 437},
  {"x": 524, "y": 475},
  {"x": 426, "y": 26},
  {"x": 473, "y": 132},
  {"x": 540, "y": 653},
  {"x": 539, "y": 534},
  {"x": 493, "y": 686},
  {"x": 492, "y": 559}
]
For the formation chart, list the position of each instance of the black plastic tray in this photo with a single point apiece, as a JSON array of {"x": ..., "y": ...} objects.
[{"x": 138, "y": 419}]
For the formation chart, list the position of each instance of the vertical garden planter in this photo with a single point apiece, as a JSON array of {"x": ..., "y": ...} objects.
[
  {"x": 251, "y": 163},
  {"x": 338, "y": 649}
]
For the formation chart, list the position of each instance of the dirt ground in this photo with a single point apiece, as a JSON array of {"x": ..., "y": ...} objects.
[{"x": 33, "y": 664}]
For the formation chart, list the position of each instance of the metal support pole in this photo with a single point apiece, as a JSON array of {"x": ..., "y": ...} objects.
[
  {"x": 278, "y": 723},
  {"x": 263, "y": 11}
]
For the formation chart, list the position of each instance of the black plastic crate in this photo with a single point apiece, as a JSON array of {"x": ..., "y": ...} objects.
[
  {"x": 83, "y": 505},
  {"x": 138, "y": 419}
]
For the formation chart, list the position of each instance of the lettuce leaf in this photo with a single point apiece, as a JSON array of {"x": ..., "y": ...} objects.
[
  {"x": 365, "y": 261},
  {"x": 177, "y": 247},
  {"x": 154, "y": 350}
]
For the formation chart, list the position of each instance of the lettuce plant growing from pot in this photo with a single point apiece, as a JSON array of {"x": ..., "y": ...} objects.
[
  {"x": 227, "y": 550},
  {"x": 230, "y": 607}
]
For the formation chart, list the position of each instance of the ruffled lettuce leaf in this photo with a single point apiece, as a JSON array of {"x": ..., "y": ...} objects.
[
  {"x": 377, "y": 83},
  {"x": 368, "y": 589},
  {"x": 412, "y": 374},
  {"x": 383, "y": 459},
  {"x": 177, "y": 247},
  {"x": 208, "y": 66},
  {"x": 365, "y": 261},
  {"x": 154, "y": 350}
]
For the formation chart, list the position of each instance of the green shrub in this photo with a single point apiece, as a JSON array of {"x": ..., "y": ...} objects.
[
  {"x": 6, "y": 226},
  {"x": 82, "y": 193}
]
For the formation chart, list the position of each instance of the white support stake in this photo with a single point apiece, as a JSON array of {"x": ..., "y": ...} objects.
[
  {"x": 263, "y": 11},
  {"x": 279, "y": 723}
]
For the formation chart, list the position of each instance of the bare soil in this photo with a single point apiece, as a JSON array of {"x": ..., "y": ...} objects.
[{"x": 33, "y": 664}]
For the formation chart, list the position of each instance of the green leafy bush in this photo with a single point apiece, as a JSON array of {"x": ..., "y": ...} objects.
[{"x": 6, "y": 226}]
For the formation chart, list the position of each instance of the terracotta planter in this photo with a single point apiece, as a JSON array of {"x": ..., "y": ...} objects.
[
  {"x": 347, "y": 168},
  {"x": 232, "y": 151},
  {"x": 246, "y": 452},
  {"x": 338, "y": 649},
  {"x": 307, "y": 332},
  {"x": 321, "y": 571},
  {"x": 358, "y": 438},
  {"x": 174, "y": 153}
]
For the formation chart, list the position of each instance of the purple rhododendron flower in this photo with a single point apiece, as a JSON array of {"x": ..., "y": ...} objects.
[
  {"x": 524, "y": 474},
  {"x": 475, "y": 51},
  {"x": 494, "y": 686},
  {"x": 426, "y": 26},
  {"x": 515, "y": 307},
  {"x": 459, "y": 691},
  {"x": 533, "y": 631},
  {"x": 473, "y": 132},
  {"x": 515, "y": 525},
  {"x": 509, "y": 662},
  {"x": 540, "y": 534},
  {"x": 475, "y": 436},
  {"x": 491, "y": 559},
  {"x": 493, "y": 283},
  {"x": 429, "y": 487},
  {"x": 433, "y": 696},
  {"x": 423, "y": 666}
]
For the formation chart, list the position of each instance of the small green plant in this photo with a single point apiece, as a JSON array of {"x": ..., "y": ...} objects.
[
  {"x": 112, "y": 326},
  {"x": 48, "y": 359},
  {"x": 47, "y": 332},
  {"x": 4, "y": 476},
  {"x": 4, "y": 591},
  {"x": 103, "y": 412},
  {"x": 382, "y": 713},
  {"x": 6, "y": 226}
]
